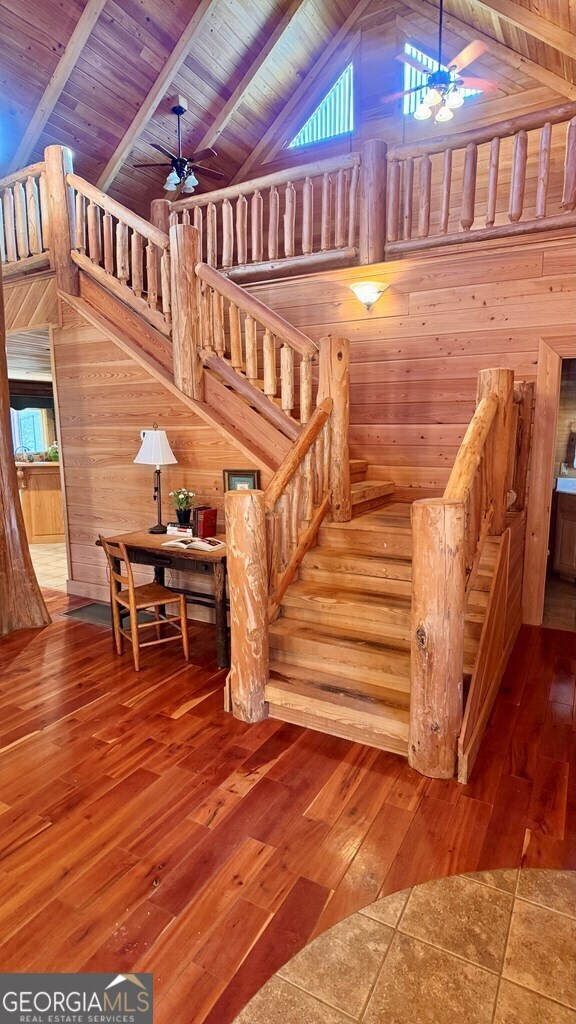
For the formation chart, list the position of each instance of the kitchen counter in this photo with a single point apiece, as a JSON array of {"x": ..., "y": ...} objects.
[{"x": 41, "y": 498}]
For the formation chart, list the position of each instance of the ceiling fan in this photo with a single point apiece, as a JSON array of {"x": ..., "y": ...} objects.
[
  {"x": 444, "y": 87},
  {"x": 182, "y": 177}
]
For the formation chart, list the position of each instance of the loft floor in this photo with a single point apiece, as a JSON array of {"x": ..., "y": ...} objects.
[{"x": 144, "y": 829}]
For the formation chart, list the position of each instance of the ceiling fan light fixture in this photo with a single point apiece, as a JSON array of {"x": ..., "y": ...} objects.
[
  {"x": 172, "y": 182},
  {"x": 455, "y": 98},
  {"x": 422, "y": 112},
  {"x": 190, "y": 183},
  {"x": 431, "y": 97},
  {"x": 443, "y": 114}
]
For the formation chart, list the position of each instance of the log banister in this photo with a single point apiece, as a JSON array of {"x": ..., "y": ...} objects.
[
  {"x": 297, "y": 453},
  {"x": 461, "y": 478},
  {"x": 122, "y": 213}
]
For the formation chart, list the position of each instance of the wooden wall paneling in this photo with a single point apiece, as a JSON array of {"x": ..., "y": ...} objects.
[{"x": 31, "y": 302}]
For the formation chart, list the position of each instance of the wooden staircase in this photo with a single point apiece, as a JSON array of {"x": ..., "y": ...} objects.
[{"x": 340, "y": 648}]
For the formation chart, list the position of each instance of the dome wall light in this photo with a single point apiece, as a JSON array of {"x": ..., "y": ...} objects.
[
  {"x": 368, "y": 292},
  {"x": 422, "y": 112}
]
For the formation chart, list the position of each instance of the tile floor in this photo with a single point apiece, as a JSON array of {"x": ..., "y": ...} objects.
[
  {"x": 50, "y": 565},
  {"x": 560, "y": 604},
  {"x": 490, "y": 948}
]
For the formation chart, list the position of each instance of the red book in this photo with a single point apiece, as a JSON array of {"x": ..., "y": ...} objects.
[{"x": 205, "y": 522}]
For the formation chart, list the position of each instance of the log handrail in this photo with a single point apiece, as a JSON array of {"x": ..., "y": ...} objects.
[
  {"x": 282, "y": 177},
  {"x": 295, "y": 456},
  {"x": 253, "y": 307},
  {"x": 32, "y": 171},
  {"x": 461, "y": 479},
  {"x": 122, "y": 213}
]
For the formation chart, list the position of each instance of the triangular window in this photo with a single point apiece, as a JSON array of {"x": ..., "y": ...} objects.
[
  {"x": 333, "y": 116},
  {"x": 414, "y": 78}
]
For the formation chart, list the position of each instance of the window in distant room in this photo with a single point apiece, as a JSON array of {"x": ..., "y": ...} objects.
[
  {"x": 333, "y": 116},
  {"x": 414, "y": 78},
  {"x": 30, "y": 429}
]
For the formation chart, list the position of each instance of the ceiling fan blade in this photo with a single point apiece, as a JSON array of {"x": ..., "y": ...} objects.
[
  {"x": 470, "y": 52},
  {"x": 479, "y": 83},
  {"x": 152, "y": 165},
  {"x": 202, "y": 154},
  {"x": 405, "y": 59},
  {"x": 208, "y": 172},
  {"x": 161, "y": 149},
  {"x": 398, "y": 95}
]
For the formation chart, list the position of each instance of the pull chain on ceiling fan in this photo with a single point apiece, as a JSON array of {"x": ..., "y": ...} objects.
[{"x": 182, "y": 176}]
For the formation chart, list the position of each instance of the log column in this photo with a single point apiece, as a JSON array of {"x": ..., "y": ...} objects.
[
  {"x": 21, "y": 602},
  {"x": 186, "y": 299},
  {"x": 62, "y": 217},
  {"x": 334, "y": 382},
  {"x": 500, "y": 439},
  {"x": 248, "y": 587},
  {"x": 437, "y": 636},
  {"x": 373, "y": 202}
]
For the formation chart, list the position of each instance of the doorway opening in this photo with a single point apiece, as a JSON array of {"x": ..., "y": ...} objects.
[
  {"x": 33, "y": 417},
  {"x": 560, "y": 593}
]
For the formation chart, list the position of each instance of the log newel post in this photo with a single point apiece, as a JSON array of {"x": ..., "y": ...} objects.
[
  {"x": 62, "y": 218},
  {"x": 186, "y": 301},
  {"x": 334, "y": 383},
  {"x": 497, "y": 452},
  {"x": 248, "y": 588},
  {"x": 437, "y": 636},
  {"x": 160, "y": 214},
  {"x": 373, "y": 202}
]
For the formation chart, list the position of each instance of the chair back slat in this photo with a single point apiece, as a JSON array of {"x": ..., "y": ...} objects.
[{"x": 115, "y": 553}]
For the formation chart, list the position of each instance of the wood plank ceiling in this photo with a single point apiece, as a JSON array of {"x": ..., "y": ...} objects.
[{"x": 97, "y": 69}]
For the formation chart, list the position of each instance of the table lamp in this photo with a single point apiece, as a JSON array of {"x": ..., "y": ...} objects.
[{"x": 155, "y": 451}]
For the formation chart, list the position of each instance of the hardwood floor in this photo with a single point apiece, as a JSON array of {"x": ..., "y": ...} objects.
[{"x": 141, "y": 828}]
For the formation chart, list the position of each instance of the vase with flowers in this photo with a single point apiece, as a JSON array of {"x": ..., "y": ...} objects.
[{"x": 183, "y": 500}]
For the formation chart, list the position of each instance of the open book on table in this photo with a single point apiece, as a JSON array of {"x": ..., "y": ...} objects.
[{"x": 197, "y": 543}]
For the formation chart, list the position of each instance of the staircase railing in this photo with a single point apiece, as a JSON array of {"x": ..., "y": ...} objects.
[
  {"x": 449, "y": 536},
  {"x": 24, "y": 219},
  {"x": 268, "y": 533}
]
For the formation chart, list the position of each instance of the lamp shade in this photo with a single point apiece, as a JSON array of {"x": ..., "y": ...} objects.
[{"x": 155, "y": 449}]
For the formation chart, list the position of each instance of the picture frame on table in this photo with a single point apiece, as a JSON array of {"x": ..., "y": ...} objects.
[{"x": 241, "y": 479}]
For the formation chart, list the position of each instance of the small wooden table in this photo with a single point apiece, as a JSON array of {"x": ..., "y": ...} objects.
[{"x": 146, "y": 549}]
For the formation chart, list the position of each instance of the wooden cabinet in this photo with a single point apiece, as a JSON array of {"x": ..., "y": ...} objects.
[
  {"x": 41, "y": 497},
  {"x": 565, "y": 546}
]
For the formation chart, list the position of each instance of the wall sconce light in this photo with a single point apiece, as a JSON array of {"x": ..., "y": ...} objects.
[{"x": 368, "y": 292}]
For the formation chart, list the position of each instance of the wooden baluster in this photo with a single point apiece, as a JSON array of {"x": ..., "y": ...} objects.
[
  {"x": 327, "y": 445},
  {"x": 218, "y": 322},
  {"x": 173, "y": 219},
  {"x": 165, "y": 283},
  {"x": 257, "y": 227},
  {"x": 211, "y": 235},
  {"x": 44, "y": 210},
  {"x": 248, "y": 585},
  {"x": 319, "y": 459},
  {"x": 137, "y": 253},
  {"x": 283, "y": 507},
  {"x": 242, "y": 230},
  {"x": 207, "y": 328},
  {"x": 446, "y": 189},
  {"x": 21, "y": 220},
  {"x": 2, "y": 236},
  {"x": 80, "y": 240},
  {"x": 273, "y": 549},
  {"x": 251, "y": 332},
  {"x": 10, "y": 227},
  {"x": 107, "y": 231},
  {"x": 393, "y": 197},
  {"x": 227, "y": 234},
  {"x": 493, "y": 167},
  {"x": 273, "y": 221},
  {"x": 543, "y": 170},
  {"x": 198, "y": 224},
  {"x": 569, "y": 189},
  {"x": 408, "y": 190},
  {"x": 340, "y": 227},
  {"x": 269, "y": 357},
  {"x": 424, "y": 191},
  {"x": 326, "y": 215},
  {"x": 287, "y": 378},
  {"x": 305, "y": 389},
  {"x": 236, "y": 357},
  {"x": 186, "y": 219},
  {"x": 295, "y": 507},
  {"x": 122, "y": 261},
  {"x": 308, "y": 474},
  {"x": 289, "y": 219},
  {"x": 353, "y": 205},
  {"x": 94, "y": 240},
  {"x": 437, "y": 650},
  {"x": 34, "y": 219},
  {"x": 308, "y": 216},
  {"x": 151, "y": 274},
  {"x": 469, "y": 186},
  {"x": 518, "y": 182}
]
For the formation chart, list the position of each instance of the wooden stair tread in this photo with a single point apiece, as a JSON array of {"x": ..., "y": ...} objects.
[
  {"x": 370, "y": 494},
  {"x": 338, "y": 682},
  {"x": 372, "y": 605}
]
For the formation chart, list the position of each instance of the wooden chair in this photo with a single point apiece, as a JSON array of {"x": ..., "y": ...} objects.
[{"x": 123, "y": 594}]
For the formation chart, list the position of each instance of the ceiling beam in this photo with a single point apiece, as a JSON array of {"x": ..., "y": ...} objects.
[
  {"x": 499, "y": 50},
  {"x": 534, "y": 24},
  {"x": 303, "y": 99},
  {"x": 53, "y": 90},
  {"x": 232, "y": 104},
  {"x": 156, "y": 94}
]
